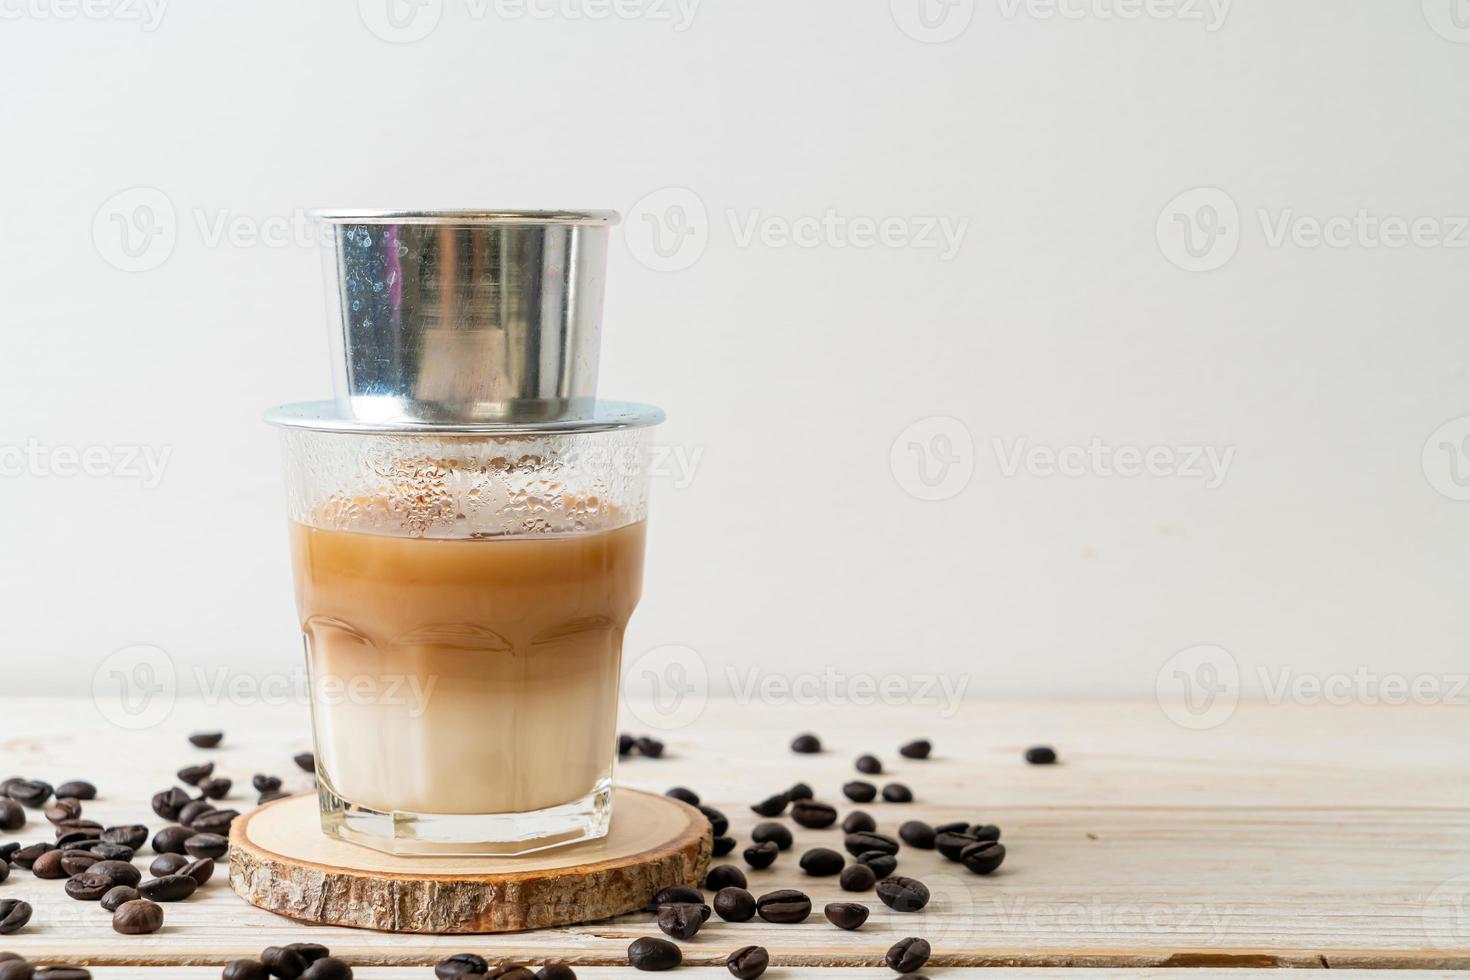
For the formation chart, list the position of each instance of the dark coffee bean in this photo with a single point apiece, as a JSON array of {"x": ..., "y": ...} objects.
[
  {"x": 206, "y": 740},
  {"x": 1041, "y": 755},
  {"x": 201, "y": 871},
  {"x": 169, "y": 888},
  {"x": 12, "y": 815},
  {"x": 983, "y": 857},
  {"x": 245, "y": 970},
  {"x": 822, "y": 862},
  {"x": 331, "y": 968},
  {"x": 686, "y": 795},
  {"x": 14, "y": 914},
  {"x": 4, "y": 870},
  {"x": 167, "y": 864},
  {"x": 857, "y": 878},
  {"x": 916, "y": 833},
  {"x": 26, "y": 856},
  {"x": 907, "y": 955},
  {"x": 87, "y": 887},
  {"x": 859, "y": 791},
  {"x": 132, "y": 835},
  {"x": 194, "y": 775},
  {"x": 207, "y": 846},
  {"x": 898, "y": 793},
  {"x": 282, "y": 962},
  {"x": 800, "y": 791},
  {"x": 78, "y": 789},
  {"x": 785, "y": 905},
  {"x": 674, "y": 895},
  {"x": 858, "y": 821},
  {"x": 735, "y": 904},
  {"x": 117, "y": 895},
  {"x": 31, "y": 793},
  {"x": 748, "y": 962},
  {"x": 267, "y": 797},
  {"x": 903, "y": 894},
  {"x": 814, "y": 815},
  {"x": 761, "y": 855},
  {"x": 919, "y": 748},
  {"x": 777, "y": 833},
  {"x": 951, "y": 844},
  {"x": 717, "y": 821},
  {"x": 118, "y": 872},
  {"x": 649, "y": 953},
  {"x": 651, "y": 747},
  {"x": 507, "y": 971},
  {"x": 86, "y": 836},
  {"x": 170, "y": 840},
  {"x": 983, "y": 831},
  {"x": 168, "y": 803},
  {"x": 846, "y": 915},
  {"x": 882, "y": 864},
  {"x": 771, "y": 806},
  {"x": 76, "y": 862},
  {"x": 264, "y": 783},
  {"x": 869, "y": 764},
  {"x": 215, "y": 789},
  {"x": 63, "y": 809},
  {"x": 626, "y": 744},
  {"x": 306, "y": 761},
  {"x": 683, "y": 920},
  {"x": 556, "y": 971},
  {"x": 63, "y": 971},
  {"x": 216, "y": 822},
  {"x": 869, "y": 840},
  {"x": 957, "y": 827},
  {"x": 138, "y": 917},
  {"x": 193, "y": 810},
  {"x": 106, "y": 851},
  {"x": 48, "y": 865},
  {"x": 461, "y": 965},
  {"x": 724, "y": 876},
  {"x": 16, "y": 968},
  {"x": 806, "y": 744},
  {"x": 723, "y": 846},
  {"x": 310, "y": 952}
]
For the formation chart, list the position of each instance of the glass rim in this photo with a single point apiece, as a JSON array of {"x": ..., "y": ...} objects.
[{"x": 326, "y": 416}]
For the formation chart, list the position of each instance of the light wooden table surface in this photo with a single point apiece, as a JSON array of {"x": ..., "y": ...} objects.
[{"x": 1287, "y": 836}]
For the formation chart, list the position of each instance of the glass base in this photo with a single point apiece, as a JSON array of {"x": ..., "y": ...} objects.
[{"x": 468, "y": 834}]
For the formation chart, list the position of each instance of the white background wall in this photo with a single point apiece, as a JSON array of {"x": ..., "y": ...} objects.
[{"x": 1333, "y": 544}]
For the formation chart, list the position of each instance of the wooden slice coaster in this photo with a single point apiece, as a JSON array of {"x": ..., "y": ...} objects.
[{"x": 281, "y": 861}]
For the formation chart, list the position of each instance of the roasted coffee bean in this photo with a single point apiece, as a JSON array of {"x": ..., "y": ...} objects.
[
  {"x": 649, "y": 953},
  {"x": 869, "y": 764},
  {"x": 14, "y": 914},
  {"x": 310, "y": 952},
  {"x": 282, "y": 962},
  {"x": 62, "y": 971},
  {"x": 194, "y": 775},
  {"x": 898, "y": 793},
  {"x": 683, "y": 794},
  {"x": 264, "y": 783},
  {"x": 983, "y": 831},
  {"x": 846, "y": 915},
  {"x": 952, "y": 844},
  {"x": 138, "y": 917},
  {"x": 32, "y": 793},
  {"x": 275, "y": 794},
  {"x": 245, "y": 970},
  {"x": 722, "y": 846},
  {"x": 76, "y": 862},
  {"x": 724, "y": 876},
  {"x": 556, "y": 971},
  {"x": 983, "y": 857},
  {"x": 859, "y": 791},
  {"x": 63, "y": 809},
  {"x": 748, "y": 962},
  {"x": 206, "y": 740},
  {"x": 857, "y": 878},
  {"x": 882, "y": 864},
  {"x": 822, "y": 862},
  {"x": 215, "y": 789},
  {"x": 48, "y": 865},
  {"x": 132, "y": 835},
  {"x": 508, "y": 971},
  {"x": 1041, "y": 755},
  {"x": 461, "y": 965},
  {"x": 170, "y": 840},
  {"x": 331, "y": 968},
  {"x": 626, "y": 744},
  {"x": 117, "y": 895},
  {"x": 69, "y": 838},
  {"x": 87, "y": 887},
  {"x": 682, "y": 921},
  {"x": 105, "y": 851},
  {"x": 193, "y": 810},
  {"x": 761, "y": 855},
  {"x": 26, "y": 856},
  {"x": 78, "y": 789},
  {"x": 919, "y": 748},
  {"x": 785, "y": 905},
  {"x": 4, "y": 870},
  {"x": 169, "y": 888},
  {"x": 168, "y": 803},
  {"x": 907, "y": 955},
  {"x": 12, "y": 815},
  {"x": 118, "y": 872},
  {"x": 956, "y": 827},
  {"x": 651, "y": 747},
  {"x": 734, "y": 904},
  {"x": 772, "y": 806},
  {"x": 16, "y": 969},
  {"x": 215, "y": 822},
  {"x": 810, "y": 813},
  {"x": 903, "y": 894},
  {"x": 916, "y": 833},
  {"x": 806, "y": 744},
  {"x": 201, "y": 871},
  {"x": 858, "y": 821},
  {"x": 167, "y": 864},
  {"x": 777, "y": 833},
  {"x": 869, "y": 840},
  {"x": 674, "y": 895},
  {"x": 305, "y": 761},
  {"x": 800, "y": 791},
  {"x": 717, "y": 821},
  {"x": 207, "y": 846}
]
